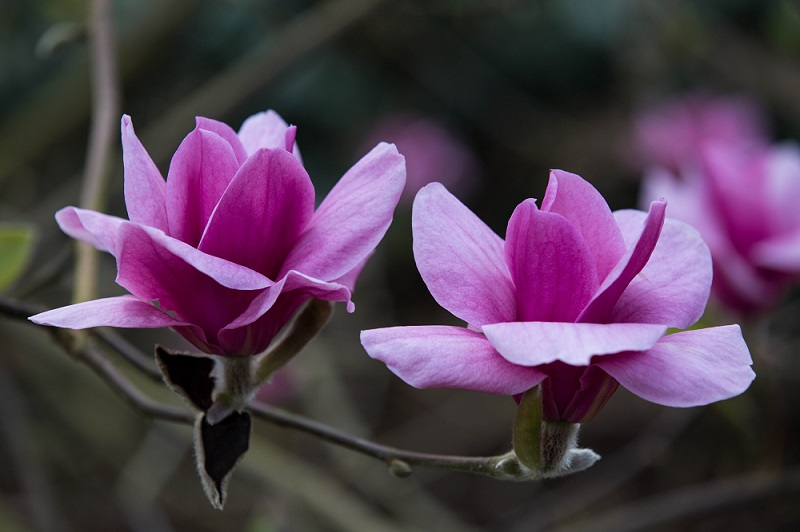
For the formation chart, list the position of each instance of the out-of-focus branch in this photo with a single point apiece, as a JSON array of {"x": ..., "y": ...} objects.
[
  {"x": 105, "y": 108},
  {"x": 399, "y": 461}
]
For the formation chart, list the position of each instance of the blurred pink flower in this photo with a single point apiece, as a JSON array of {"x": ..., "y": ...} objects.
[
  {"x": 674, "y": 133},
  {"x": 745, "y": 204},
  {"x": 577, "y": 298},
  {"x": 432, "y": 154},
  {"x": 229, "y": 247}
]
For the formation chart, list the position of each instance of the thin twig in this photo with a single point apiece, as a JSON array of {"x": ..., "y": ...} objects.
[
  {"x": 132, "y": 354},
  {"x": 101, "y": 137},
  {"x": 502, "y": 467}
]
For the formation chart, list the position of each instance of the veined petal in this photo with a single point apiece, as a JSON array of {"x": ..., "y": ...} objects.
[
  {"x": 537, "y": 343},
  {"x": 201, "y": 170},
  {"x": 262, "y": 213},
  {"x": 690, "y": 368},
  {"x": 94, "y": 228},
  {"x": 552, "y": 267},
  {"x": 461, "y": 259},
  {"x": 447, "y": 357},
  {"x": 579, "y": 202},
  {"x": 672, "y": 289},
  {"x": 353, "y": 218},
  {"x": 122, "y": 311},
  {"x": 145, "y": 189},
  {"x": 226, "y": 132},
  {"x": 265, "y": 130},
  {"x": 638, "y": 255}
]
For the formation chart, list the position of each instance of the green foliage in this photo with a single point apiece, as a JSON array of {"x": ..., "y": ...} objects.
[{"x": 16, "y": 244}]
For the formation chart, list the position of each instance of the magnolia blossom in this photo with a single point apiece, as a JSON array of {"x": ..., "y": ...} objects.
[
  {"x": 745, "y": 204},
  {"x": 230, "y": 246},
  {"x": 674, "y": 133},
  {"x": 577, "y": 299},
  {"x": 432, "y": 154}
]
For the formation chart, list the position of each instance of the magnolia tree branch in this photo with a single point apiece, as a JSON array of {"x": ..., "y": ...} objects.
[
  {"x": 105, "y": 111},
  {"x": 399, "y": 461}
]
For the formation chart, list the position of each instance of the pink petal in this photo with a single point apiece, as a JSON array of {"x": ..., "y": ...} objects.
[
  {"x": 353, "y": 218},
  {"x": 780, "y": 253},
  {"x": 226, "y": 132},
  {"x": 94, "y": 228},
  {"x": 638, "y": 255},
  {"x": 265, "y": 130},
  {"x": 122, "y": 311},
  {"x": 537, "y": 343},
  {"x": 461, "y": 259},
  {"x": 690, "y": 368},
  {"x": 552, "y": 267},
  {"x": 447, "y": 357},
  {"x": 203, "y": 290},
  {"x": 145, "y": 189},
  {"x": 253, "y": 330},
  {"x": 262, "y": 213},
  {"x": 579, "y": 202},
  {"x": 673, "y": 287},
  {"x": 201, "y": 170}
]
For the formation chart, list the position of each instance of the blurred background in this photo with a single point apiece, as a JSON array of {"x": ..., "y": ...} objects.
[{"x": 483, "y": 95}]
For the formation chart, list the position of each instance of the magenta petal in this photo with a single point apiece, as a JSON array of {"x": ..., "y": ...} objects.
[
  {"x": 253, "y": 330},
  {"x": 145, "y": 189},
  {"x": 684, "y": 369},
  {"x": 780, "y": 253},
  {"x": 673, "y": 287},
  {"x": 536, "y": 343},
  {"x": 122, "y": 311},
  {"x": 201, "y": 170},
  {"x": 552, "y": 267},
  {"x": 461, "y": 259},
  {"x": 226, "y": 132},
  {"x": 262, "y": 213},
  {"x": 353, "y": 218},
  {"x": 579, "y": 202},
  {"x": 447, "y": 357},
  {"x": 265, "y": 130},
  {"x": 200, "y": 289},
  {"x": 639, "y": 253},
  {"x": 94, "y": 228}
]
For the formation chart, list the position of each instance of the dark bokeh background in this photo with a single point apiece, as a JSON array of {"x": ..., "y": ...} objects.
[{"x": 526, "y": 86}]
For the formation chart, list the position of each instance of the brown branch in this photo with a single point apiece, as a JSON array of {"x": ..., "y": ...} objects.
[{"x": 101, "y": 138}]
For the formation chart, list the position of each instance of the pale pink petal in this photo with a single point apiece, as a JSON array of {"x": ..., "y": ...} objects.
[
  {"x": 552, "y": 267},
  {"x": 673, "y": 287},
  {"x": 353, "y": 218},
  {"x": 779, "y": 253},
  {"x": 782, "y": 187},
  {"x": 447, "y": 357},
  {"x": 122, "y": 311},
  {"x": 461, "y": 259},
  {"x": 262, "y": 213},
  {"x": 201, "y": 170},
  {"x": 690, "y": 368},
  {"x": 578, "y": 201},
  {"x": 537, "y": 343},
  {"x": 637, "y": 256},
  {"x": 226, "y": 132},
  {"x": 265, "y": 130},
  {"x": 145, "y": 189},
  {"x": 94, "y": 228}
]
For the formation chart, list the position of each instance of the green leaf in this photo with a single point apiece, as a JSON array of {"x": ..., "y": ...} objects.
[{"x": 16, "y": 245}]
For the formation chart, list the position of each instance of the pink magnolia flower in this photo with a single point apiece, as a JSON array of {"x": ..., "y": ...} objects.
[
  {"x": 744, "y": 203},
  {"x": 229, "y": 247},
  {"x": 432, "y": 154},
  {"x": 674, "y": 133},
  {"x": 577, "y": 299}
]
